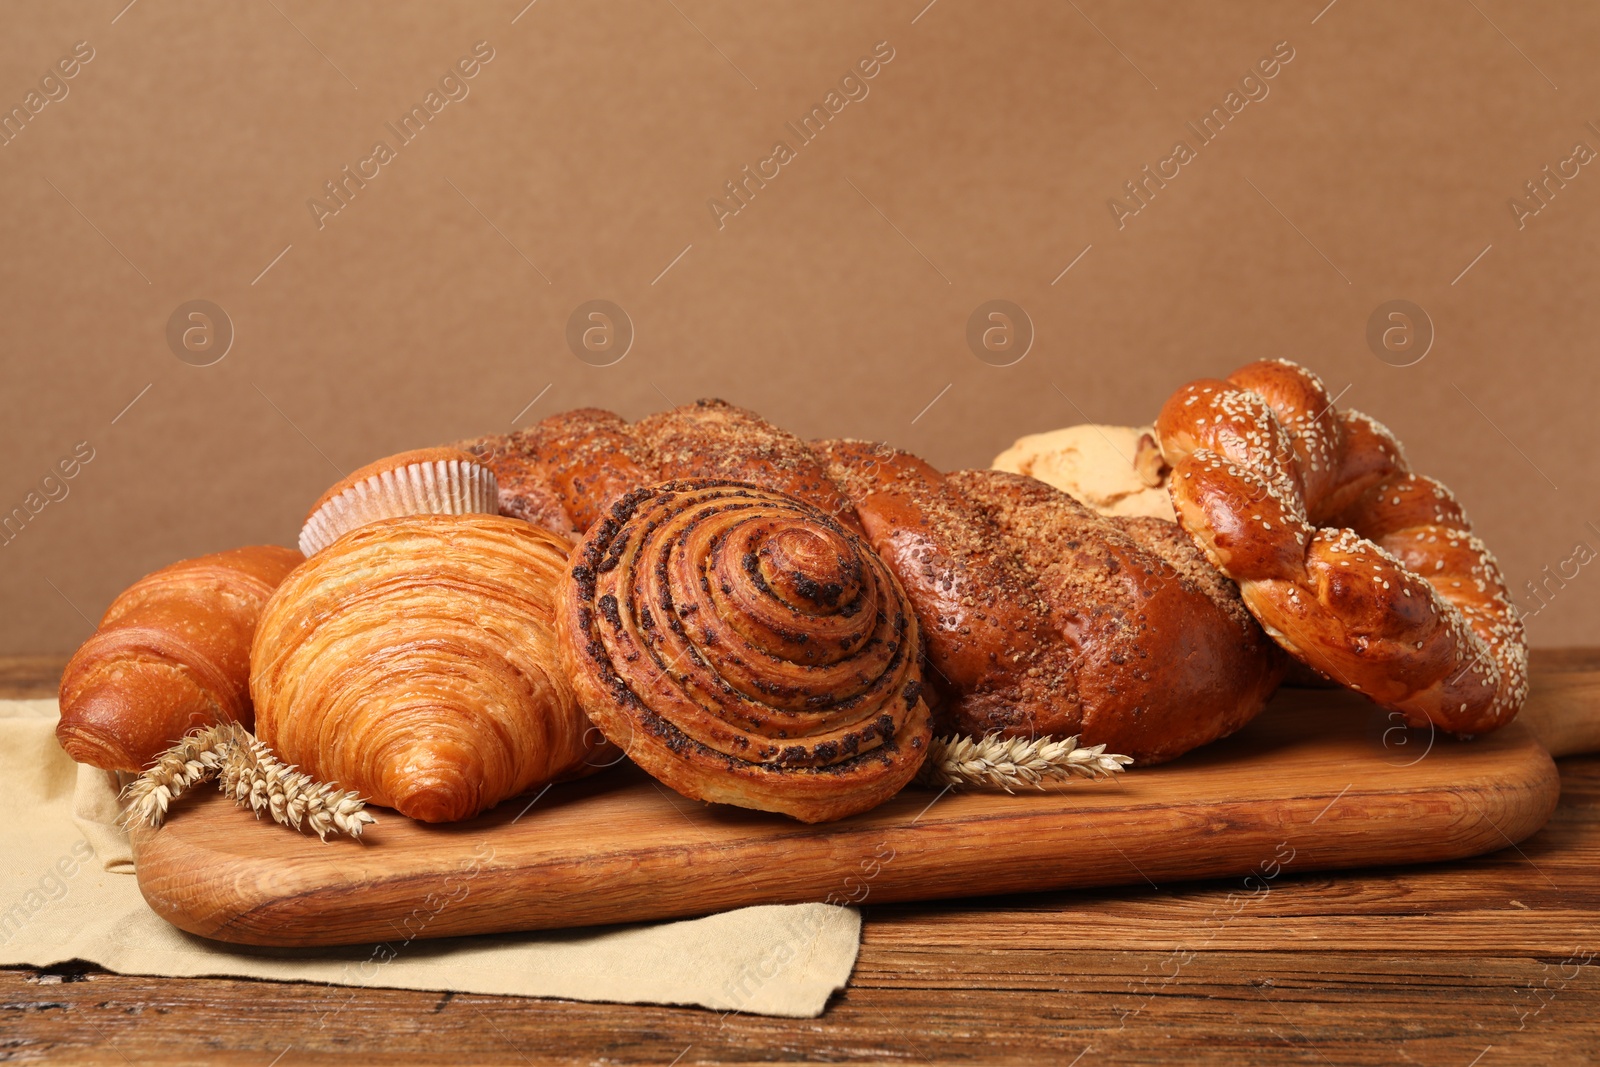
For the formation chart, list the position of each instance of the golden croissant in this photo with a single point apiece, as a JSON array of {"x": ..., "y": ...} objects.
[
  {"x": 171, "y": 654},
  {"x": 414, "y": 660},
  {"x": 744, "y": 647}
]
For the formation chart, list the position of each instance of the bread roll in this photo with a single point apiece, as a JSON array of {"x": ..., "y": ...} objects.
[{"x": 171, "y": 654}]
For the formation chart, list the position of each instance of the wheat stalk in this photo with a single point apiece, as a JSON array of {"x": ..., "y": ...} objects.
[
  {"x": 195, "y": 757},
  {"x": 249, "y": 775},
  {"x": 252, "y": 775},
  {"x": 996, "y": 762}
]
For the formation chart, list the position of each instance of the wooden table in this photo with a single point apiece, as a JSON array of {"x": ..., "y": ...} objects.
[{"x": 1484, "y": 962}]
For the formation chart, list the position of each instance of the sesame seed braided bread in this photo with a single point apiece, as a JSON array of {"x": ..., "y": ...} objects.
[{"x": 1359, "y": 567}]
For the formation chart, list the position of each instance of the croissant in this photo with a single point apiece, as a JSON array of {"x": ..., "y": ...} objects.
[
  {"x": 745, "y": 647},
  {"x": 171, "y": 654},
  {"x": 414, "y": 660}
]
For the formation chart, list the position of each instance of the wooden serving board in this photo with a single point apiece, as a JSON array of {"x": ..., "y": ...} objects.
[{"x": 1321, "y": 780}]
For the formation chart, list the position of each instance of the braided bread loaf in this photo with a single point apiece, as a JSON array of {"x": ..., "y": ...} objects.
[
  {"x": 1038, "y": 616},
  {"x": 1043, "y": 618},
  {"x": 1360, "y": 568},
  {"x": 564, "y": 472}
]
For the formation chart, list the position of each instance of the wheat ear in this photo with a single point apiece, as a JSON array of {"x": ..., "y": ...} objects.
[
  {"x": 994, "y": 762},
  {"x": 195, "y": 757},
  {"x": 250, "y": 775}
]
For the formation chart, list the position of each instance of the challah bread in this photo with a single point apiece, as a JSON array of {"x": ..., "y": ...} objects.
[
  {"x": 171, "y": 654},
  {"x": 968, "y": 590},
  {"x": 1018, "y": 639},
  {"x": 1361, "y": 569},
  {"x": 715, "y": 439},
  {"x": 1041, "y": 617},
  {"x": 564, "y": 472}
]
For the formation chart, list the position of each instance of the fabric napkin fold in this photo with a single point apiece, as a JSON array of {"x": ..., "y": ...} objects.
[{"x": 67, "y": 892}]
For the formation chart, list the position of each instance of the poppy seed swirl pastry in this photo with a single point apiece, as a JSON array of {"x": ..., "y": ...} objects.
[
  {"x": 744, "y": 647},
  {"x": 414, "y": 660}
]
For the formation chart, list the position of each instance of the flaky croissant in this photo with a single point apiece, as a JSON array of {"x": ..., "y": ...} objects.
[
  {"x": 172, "y": 653},
  {"x": 414, "y": 660},
  {"x": 744, "y": 647}
]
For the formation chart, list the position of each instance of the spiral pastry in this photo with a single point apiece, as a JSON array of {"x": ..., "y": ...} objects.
[
  {"x": 743, "y": 647},
  {"x": 414, "y": 660}
]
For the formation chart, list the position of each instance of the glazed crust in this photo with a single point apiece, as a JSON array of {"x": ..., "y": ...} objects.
[
  {"x": 564, "y": 472},
  {"x": 1152, "y": 650},
  {"x": 1361, "y": 569},
  {"x": 415, "y": 661},
  {"x": 171, "y": 654},
  {"x": 590, "y": 458},
  {"x": 982, "y": 625},
  {"x": 523, "y": 478},
  {"x": 715, "y": 439},
  {"x": 746, "y": 648},
  {"x": 1043, "y": 618}
]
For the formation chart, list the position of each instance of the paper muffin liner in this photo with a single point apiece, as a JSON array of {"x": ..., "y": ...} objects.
[{"x": 430, "y": 482}]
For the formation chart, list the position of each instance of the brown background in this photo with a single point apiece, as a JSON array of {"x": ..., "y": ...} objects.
[{"x": 982, "y": 161}]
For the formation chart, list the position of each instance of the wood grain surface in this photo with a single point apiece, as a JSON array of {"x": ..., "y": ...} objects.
[
  {"x": 1321, "y": 780},
  {"x": 1472, "y": 962}
]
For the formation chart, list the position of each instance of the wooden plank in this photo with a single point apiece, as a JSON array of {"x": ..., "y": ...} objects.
[
  {"x": 929, "y": 1006},
  {"x": 1317, "y": 782},
  {"x": 1564, "y": 714},
  {"x": 1565, "y": 660},
  {"x": 999, "y": 980}
]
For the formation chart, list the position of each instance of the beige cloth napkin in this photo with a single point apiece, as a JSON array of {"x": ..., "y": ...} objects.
[{"x": 66, "y": 892}]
